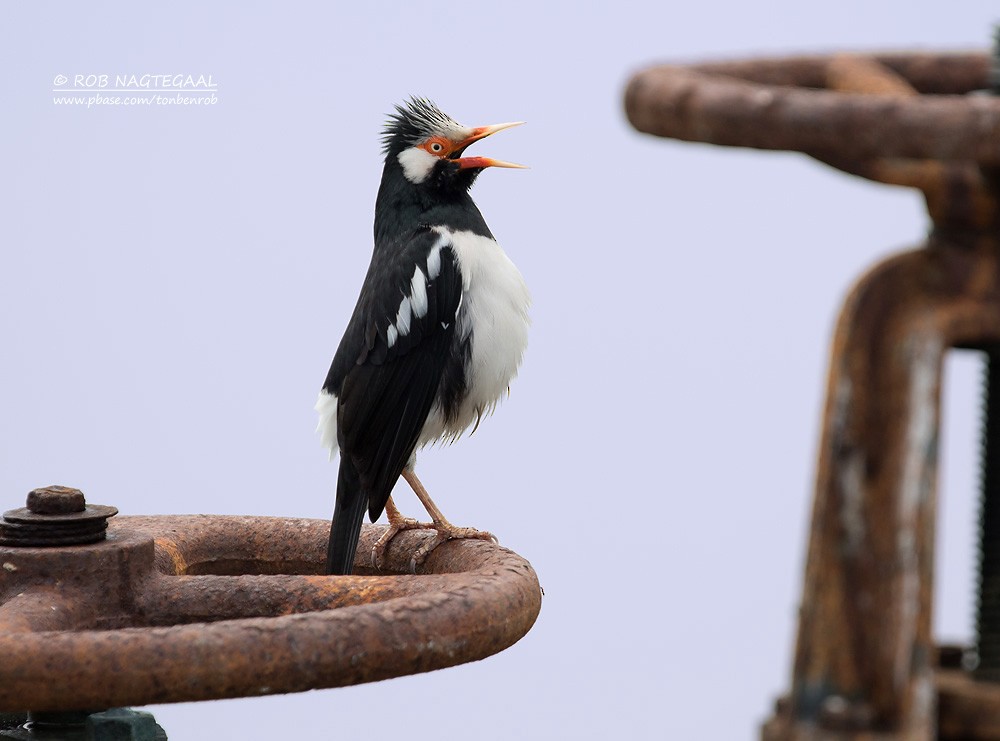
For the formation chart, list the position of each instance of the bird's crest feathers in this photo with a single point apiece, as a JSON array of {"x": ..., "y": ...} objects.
[{"x": 415, "y": 121}]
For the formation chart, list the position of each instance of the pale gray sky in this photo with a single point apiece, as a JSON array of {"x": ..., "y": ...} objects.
[{"x": 175, "y": 281}]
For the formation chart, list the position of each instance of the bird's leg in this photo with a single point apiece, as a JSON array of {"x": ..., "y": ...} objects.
[{"x": 444, "y": 529}]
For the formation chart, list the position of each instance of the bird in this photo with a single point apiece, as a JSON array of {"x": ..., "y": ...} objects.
[{"x": 437, "y": 335}]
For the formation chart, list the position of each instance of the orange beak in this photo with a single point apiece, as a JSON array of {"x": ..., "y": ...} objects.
[{"x": 481, "y": 132}]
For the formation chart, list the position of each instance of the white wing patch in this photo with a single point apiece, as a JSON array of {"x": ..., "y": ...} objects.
[
  {"x": 434, "y": 257},
  {"x": 403, "y": 317},
  {"x": 415, "y": 303},
  {"x": 418, "y": 293},
  {"x": 326, "y": 405}
]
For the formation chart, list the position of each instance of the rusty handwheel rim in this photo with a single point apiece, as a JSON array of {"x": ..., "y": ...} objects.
[
  {"x": 780, "y": 104},
  {"x": 474, "y": 600}
]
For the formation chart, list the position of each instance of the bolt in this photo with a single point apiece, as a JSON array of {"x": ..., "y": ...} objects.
[
  {"x": 56, "y": 500},
  {"x": 55, "y": 516}
]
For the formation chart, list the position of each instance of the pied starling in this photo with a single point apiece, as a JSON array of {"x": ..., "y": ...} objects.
[{"x": 436, "y": 337}]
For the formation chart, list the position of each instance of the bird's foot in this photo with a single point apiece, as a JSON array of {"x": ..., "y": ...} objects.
[{"x": 443, "y": 532}]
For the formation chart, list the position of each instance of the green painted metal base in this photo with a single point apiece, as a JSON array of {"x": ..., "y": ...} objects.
[{"x": 118, "y": 724}]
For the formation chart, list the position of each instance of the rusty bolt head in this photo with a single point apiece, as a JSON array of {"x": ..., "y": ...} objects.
[
  {"x": 56, "y": 500},
  {"x": 951, "y": 656},
  {"x": 55, "y": 516}
]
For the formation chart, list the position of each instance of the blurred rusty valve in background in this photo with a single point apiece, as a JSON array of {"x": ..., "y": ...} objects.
[
  {"x": 142, "y": 610},
  {"x": 865, "y": 664}
]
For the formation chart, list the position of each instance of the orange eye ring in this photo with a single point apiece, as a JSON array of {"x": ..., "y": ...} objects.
[{"x": 438, "y": 146}]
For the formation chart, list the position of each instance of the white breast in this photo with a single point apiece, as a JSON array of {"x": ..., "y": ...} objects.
[{"x": 494, "y": 307}]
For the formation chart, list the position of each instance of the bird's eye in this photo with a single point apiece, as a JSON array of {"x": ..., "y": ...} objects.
[{"x": 437, "y": 146}]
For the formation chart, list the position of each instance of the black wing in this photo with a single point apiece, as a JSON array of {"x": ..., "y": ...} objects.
[{"x": 387, "y": 370}]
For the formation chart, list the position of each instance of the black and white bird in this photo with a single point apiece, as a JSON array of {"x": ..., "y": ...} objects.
[{"x": 437, "y": 335}]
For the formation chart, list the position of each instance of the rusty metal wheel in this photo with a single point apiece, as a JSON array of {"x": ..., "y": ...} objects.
[{"x": 199, "y": 607}]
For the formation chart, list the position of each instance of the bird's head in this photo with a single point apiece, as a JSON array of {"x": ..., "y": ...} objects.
[{"x": 428, "y": 146}]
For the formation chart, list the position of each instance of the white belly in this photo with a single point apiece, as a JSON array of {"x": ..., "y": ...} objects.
[{"x": 494, "y": 307}]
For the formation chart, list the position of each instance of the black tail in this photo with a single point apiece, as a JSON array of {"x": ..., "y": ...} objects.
[{"x": 348, "y": 512}]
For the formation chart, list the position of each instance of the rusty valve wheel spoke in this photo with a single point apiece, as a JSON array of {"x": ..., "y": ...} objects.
[
  {"x": 181, "y": 608},
  {"x": 41, "y": 608},
  {"x": 205, "y": 598}
]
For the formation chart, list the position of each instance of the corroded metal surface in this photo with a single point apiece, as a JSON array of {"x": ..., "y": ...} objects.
[
  {"x": 789, "y": 104},
  {"x": 865, "y": 619},
  {"x": 180, "y": 608},
  {"x": 900, "y": 119},
  {"x": 865, "y": 664}
]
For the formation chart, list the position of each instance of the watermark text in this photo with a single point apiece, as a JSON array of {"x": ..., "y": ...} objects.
[{"x": 104, "y": 89}]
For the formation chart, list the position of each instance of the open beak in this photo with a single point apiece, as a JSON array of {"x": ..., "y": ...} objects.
[{"x": 481, "y": 132}]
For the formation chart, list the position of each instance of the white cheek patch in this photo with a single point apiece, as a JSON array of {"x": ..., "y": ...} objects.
[{"x": 417, "y": 164}]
